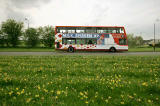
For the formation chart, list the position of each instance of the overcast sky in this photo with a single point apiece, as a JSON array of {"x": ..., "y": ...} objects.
[{"x": 137, "y": 16}]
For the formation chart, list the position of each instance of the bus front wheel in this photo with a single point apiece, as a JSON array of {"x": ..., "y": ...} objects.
[
  {"x": 70, "y": 49},
  {"x": 112, "y": 49}
]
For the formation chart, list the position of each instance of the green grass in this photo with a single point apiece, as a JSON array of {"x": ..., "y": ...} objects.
[
  {"x": 80, "y": 80},
  {"x": 149, "y": 49},
  {"x": 41, "y": 49},
  {"x": 24, "y": 49}
]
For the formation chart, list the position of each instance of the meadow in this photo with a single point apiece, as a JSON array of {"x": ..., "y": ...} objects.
[
  {"x": 43, "y": 49},
  {"x": 80, "y": 80}
]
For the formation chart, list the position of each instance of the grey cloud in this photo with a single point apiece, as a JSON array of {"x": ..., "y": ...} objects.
[
  {"x": 28, "y": 3},
  {"x": 98, "y": 12},
  {"x": 15, "y": 8}
]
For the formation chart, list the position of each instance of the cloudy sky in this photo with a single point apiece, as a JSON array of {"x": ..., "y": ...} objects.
[{"x": 138, "y": 16}]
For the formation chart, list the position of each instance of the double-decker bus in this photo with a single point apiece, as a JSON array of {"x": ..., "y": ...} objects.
[{"x": 91, "y": 38}]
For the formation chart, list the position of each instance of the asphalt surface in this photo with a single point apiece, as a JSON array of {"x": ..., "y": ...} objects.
[{"x": 80, "y": 53}]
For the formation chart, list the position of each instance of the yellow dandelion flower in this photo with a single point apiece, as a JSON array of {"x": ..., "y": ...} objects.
[
  {"x": 106, "y": 100},
  {"x": 10, "y": 93},
  {"x": 18, "y": 93},
  {"x": 109, "y": 97},
  {"x": 144, "y": 84},
  {"x": 22, "y": 91},
  {"x": 122, "y": 96},
  {"x": 17, "y": 88},
  {"x": 58, "y": 92},
  {"x": 86, "y": 102},
  {"x": 45, "y": 90},
  {"x": 36, "y": 96},
  {"x": 40, "y": 68},
  {"x": 138, "y": 100},
  {"x": 149, "y": 101},
  {"x": 130, "y": 97},
  {"x": 39, "y": 87},
  {"x": 42, "y": 98},
  {"x": 81, "y": 93},
  {"x": 28, "y": 100},
  {"x": 122, "y": 103}
]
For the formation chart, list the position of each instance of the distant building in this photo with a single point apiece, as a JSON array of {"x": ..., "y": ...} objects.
[{"x": 151, "y": 41}]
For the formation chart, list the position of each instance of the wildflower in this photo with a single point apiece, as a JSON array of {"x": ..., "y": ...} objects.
[
  {"x": 18, "y": 93},
  {"x": 122, "y": 103},
  {"x": 17, "y": 88},
  {"x": 81, "y": 93},
  {"x": 109, "y": 97},
  {"x": 134, "y": 94},
  {"x": 144, "y": 84},
  {"x": 138, "y": 100},
  {"x": 28, "y": 100},
  {"x": 58, "y": 92},
  {"x": 45, "y": 90},
  {"x": 38, "y": 87},
  {"x": 36, "y": 96},
  {"x": 149, "y": 101},
  {"x": 42, "y": 98},
  {"x": 10, "y": 93},
  {"x": 106, "y": 100},
  {"x": 22, "y": 91},
  {"x": 122, "y": 96},
  {"x": 86, "y": 102},
  {"x": 131, "y": 97},
  {"x": 40, "y": 68}
]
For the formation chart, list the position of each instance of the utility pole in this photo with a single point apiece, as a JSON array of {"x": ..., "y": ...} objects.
[
  {"x": 154, "y": 36},
  {"x": 27, "y": 21}
]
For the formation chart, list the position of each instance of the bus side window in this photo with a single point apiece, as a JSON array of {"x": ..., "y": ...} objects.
[
  {"x": 57, "y": 44},
  {"x": 90, "y": 42}
]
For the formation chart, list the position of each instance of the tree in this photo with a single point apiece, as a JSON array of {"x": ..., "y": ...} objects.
[
  {"x": 134, "y": 41},
  {"x": 31, "y": 37},
  {"x": 139, "y": 40},
  {"x": 12, "y": 31},
  {"x": 131, "y": 40},
  {"x": 2, "y": 39},
  {"x": 47, "y": 35}
]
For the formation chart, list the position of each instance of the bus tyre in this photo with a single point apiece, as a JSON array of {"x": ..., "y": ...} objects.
[
  {"x": 112, "y": 49},
  {"x": 70, "y": 49}
]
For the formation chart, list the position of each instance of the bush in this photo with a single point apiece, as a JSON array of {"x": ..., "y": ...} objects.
[{"x": 31, "y": 37}]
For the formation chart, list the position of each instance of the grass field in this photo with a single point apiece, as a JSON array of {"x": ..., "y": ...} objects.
[
  {"x": 24, "y": 49},
  {"x": 39, "y": 49},
  {"x": 80, "y": 80},
  {"x": 149, "y": 49}
]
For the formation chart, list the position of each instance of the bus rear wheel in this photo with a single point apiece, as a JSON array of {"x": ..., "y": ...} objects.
[
  {"x": 70, "y": 49},
  {"x": 112, "y": 49}
]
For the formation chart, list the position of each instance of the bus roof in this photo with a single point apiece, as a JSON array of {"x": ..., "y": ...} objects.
[{"x": 94, "y": 26}]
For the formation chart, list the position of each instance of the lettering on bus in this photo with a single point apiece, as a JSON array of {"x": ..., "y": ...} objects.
[{"x": 77, "y": 35}]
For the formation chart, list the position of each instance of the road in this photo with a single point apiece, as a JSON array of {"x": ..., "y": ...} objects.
[{"x": 81, "y": 53}]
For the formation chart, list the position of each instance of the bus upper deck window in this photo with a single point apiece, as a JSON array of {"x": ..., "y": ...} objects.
[
  {"x": 80, "y": 31},
  {"x": 71, "y": 31},
  {"x": 121, "y": 30}
]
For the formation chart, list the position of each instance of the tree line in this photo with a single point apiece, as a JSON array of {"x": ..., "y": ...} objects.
[
  {"x": 12, "y": 33},
  {"x": 135, "y": 41}
]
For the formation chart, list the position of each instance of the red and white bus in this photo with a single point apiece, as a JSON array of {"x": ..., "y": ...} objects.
[{"x": 91, "y": 38}]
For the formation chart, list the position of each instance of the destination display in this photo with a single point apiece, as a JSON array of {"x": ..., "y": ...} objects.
[{"x": 80, "y": 35}]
